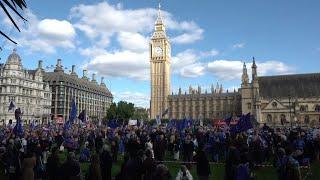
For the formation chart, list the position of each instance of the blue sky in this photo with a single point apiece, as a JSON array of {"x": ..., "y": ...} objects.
[{"x": 210, "y": 39}]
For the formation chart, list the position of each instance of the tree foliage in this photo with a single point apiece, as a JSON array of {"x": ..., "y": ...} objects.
[
  {"x": 122, "y": 111},
  {"x": 15, "y": 6}
]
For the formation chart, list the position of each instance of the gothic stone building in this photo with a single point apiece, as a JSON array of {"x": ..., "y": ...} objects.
[
  {"x": 89, "y": 95},
  {"x": 26, "y": 89},
  {"x": 275, "y": 100},
  {"x": 216, "y": 104},
  {"x": 282, "y": 100}
]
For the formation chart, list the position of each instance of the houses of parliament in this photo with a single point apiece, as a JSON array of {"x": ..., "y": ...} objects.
[{"x": 276, "y": 100}]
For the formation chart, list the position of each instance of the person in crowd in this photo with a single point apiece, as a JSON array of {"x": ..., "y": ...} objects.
[
  {"x": 176, "y": 150},
  {"x": 148, "y": 165},
  {"x": 132, "y": 169},
  {"x": 184, "y": 174},
  {"x": 114, "y": 149},
  {"x": 287, "y": 166},
  {"x": 85, "y": 154},
  {"x": 53, "y": 165},
  {"x": 235, "y": 149},
  {"x": 12, "y": 161},
  {"x": 28, "y": 164},
  {"x": 94, "y": 172},
  {"x": 160, "y": 147},
  {"x": 70, "y": 169},
  {"x": 203, "y": 166},
  {"x": 188, "y": 149},
  {"x": 105, "y": 163},
  {"x": 232, "y": 162},
  {"x": 162, "y": 173}
]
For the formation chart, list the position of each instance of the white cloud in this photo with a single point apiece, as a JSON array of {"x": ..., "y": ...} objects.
[
  {"x": 133, "y": 41},
  {"x": 238, "y": 45},
  {"x": 139, "y": 99},
  {"x": 188, "y": 37},
  {"x": 212, "y": 53},
  {"x": 101, "y": 21},
  {"x": 56, "y": 29},
  {"x": 225, "y": 69},
  {"x": 44, "y": 35},
  {"x": 232, "y": 69},
  {"x": 192, "y": 70},
  {"x": 126, "y": 63},
  {"x": 187, "y": 63}
]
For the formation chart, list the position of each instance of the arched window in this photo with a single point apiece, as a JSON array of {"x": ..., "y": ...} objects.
[
  {"x": 249, "y": 105},
  {"x": 302, "y": 108},
  {"x": 283, "y": 119},
  {"x": 317, "y": 108},
  {"x": 306, "y": 119},
  {"x": 269, "y": 118}
]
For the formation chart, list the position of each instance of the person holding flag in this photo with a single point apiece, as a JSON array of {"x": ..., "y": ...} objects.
[
  {"x": 18, "y": 129},
  {"x": 11, "y": 106},
  {"x": 72, "y": 117}
]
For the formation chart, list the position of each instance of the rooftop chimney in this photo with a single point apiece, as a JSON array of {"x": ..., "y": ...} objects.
[
  {"x": 40, "y": 62},
  {"x": 58, "y": 66},
  {"x": 102, "y": 81},
  {"x": 59, "y": 62},
  {"x": 84, "y": 73},
  {"x": 73, "y": 70},
  {"x": 94, "y": 77}
]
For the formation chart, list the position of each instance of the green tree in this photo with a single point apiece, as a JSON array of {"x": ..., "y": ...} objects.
[
  {"x": 125, "y": 110},
  {"x": 122, "y": 111},
  {"x": 140, "y": 114},
  {"x": 112, "y": 111}
]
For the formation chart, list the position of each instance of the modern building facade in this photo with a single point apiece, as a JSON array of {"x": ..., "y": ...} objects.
[
  {"x": 26, "y": 89},
  {"x": 88, "y": 94},
  {"x": 160, "y": 60}
]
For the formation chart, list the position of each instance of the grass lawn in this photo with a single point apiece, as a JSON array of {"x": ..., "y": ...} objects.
[{"x": 217, "y": 170}]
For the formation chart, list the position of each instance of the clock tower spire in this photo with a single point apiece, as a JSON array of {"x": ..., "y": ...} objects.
[{"x": 160, "y": 60}]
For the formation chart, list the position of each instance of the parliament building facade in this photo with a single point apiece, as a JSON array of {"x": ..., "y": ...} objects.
[{"x": 289, "y": 100}]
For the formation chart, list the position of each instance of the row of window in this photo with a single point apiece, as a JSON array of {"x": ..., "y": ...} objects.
[{"x": 283, "y": 119}]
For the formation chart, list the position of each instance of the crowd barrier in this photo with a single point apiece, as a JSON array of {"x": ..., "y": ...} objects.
[{"x": 307, "y": 168}]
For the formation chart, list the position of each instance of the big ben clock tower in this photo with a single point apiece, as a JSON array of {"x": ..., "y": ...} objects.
[{"x": 160, "y": 59}]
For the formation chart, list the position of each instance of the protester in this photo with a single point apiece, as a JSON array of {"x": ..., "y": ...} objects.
[
  {"x": 105, "y": 163},
  {"x": 184, "y": 174},
  {"x": 53, "y": 165},
  {"x": 143, "y": 147},
  {"x": 94, "y": 168},
  {"x": 148, "y": 165},
  {"x": 29, "y": 162},
  {"x": 203, "y": 167},
  {"x": 71, "y": 168}
]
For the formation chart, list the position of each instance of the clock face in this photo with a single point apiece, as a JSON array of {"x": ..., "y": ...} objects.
[{"x": 158, "y": 51}]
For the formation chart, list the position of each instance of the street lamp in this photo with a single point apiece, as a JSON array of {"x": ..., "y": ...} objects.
[
  {"x": 290, "y": 111},
  {"x": 4, "y": 112}
]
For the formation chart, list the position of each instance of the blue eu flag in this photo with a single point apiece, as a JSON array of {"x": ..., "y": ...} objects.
[
  {"x": 73, "y": 113},
  {"x": 11, "y": 106}
]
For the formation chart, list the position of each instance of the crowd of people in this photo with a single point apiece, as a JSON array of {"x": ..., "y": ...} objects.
[{"x": 147, "y": 150}]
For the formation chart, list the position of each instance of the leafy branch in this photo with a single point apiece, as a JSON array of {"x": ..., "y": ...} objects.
[{"x": 15, "y": 6}]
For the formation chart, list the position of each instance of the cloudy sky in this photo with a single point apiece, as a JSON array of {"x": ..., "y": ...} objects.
[{"x": 210, "y": 40}]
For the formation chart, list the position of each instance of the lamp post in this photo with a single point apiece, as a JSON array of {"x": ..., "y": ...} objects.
[
  {"x": 28, "y": 103},
  {"x": 290, "y": 111},
  {"x": 4, "y": 112}
]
